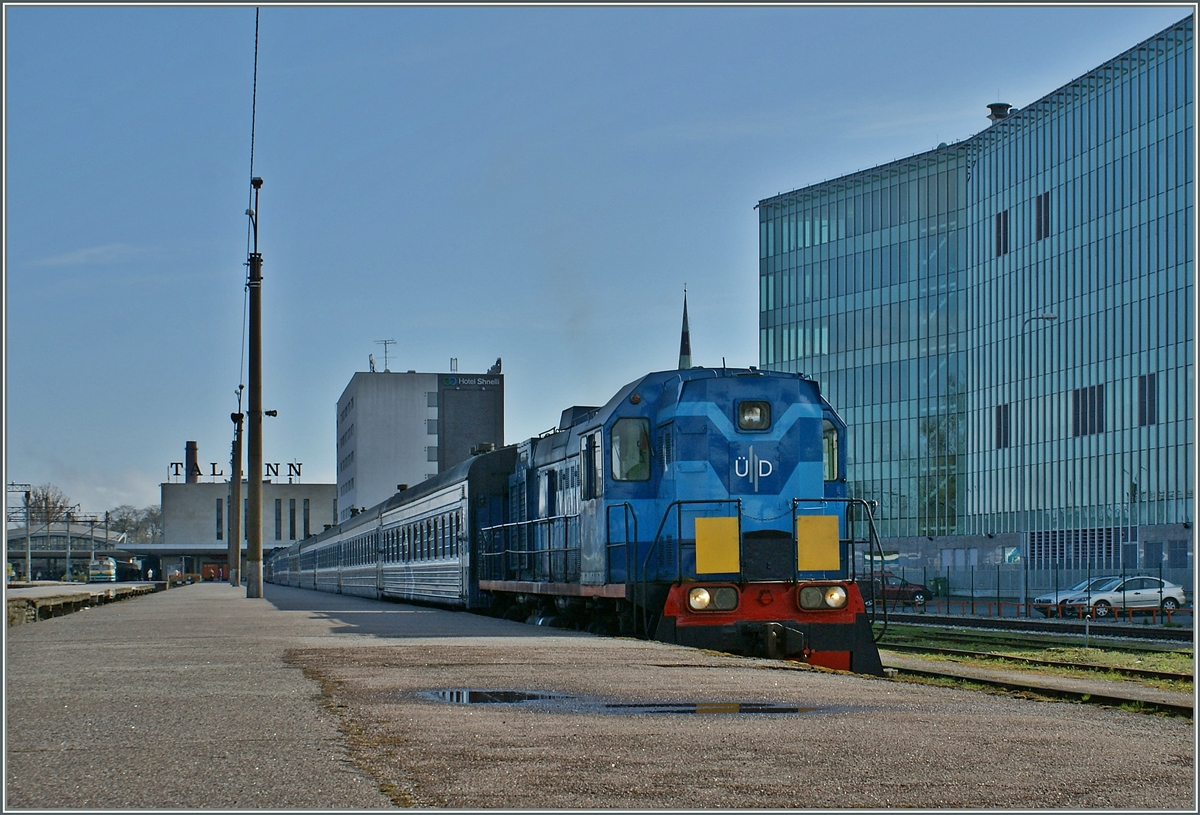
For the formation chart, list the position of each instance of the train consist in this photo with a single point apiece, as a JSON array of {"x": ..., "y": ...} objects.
[{"x": 701, "y": 506}]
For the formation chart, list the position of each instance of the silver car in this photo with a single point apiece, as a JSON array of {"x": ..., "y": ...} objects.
[
  {"x": 1139, "y": 591},
  {"x": 1053, "y": 601}
]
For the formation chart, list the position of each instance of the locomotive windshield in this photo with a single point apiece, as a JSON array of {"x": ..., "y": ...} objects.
[{"x": 631, "y": 449}]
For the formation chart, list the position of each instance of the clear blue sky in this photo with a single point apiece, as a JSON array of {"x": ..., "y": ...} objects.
[{"x": 536, "y": 184}]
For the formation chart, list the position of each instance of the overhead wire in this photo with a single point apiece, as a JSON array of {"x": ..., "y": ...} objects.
[{"x": 249, "y": 206}]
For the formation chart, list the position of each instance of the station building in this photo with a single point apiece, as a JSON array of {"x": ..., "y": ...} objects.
[
  {"x": 197, "y": 518},
  {"x": 1006, "y": 323},
  {"x": 398, "y": 429},
  {"x": 197, "y": 521},
  {"x": 55, "y": 550}
]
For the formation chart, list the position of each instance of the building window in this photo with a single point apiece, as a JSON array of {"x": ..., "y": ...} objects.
[
  {"x": 431, "y": 426},
  {"x": 1042, "y": 217},
  {"x": 1087, "y": 411},
  {"x": 1177, "y": 552},
  {"x": 1001, "y": 233},
  {"x": 1002, "y": 427},
  {"x": 307, "y": 533},
  {"x": 278, "y": 519},
  {"x": 1147, "y": 409},
  {"x": 431, "y": 454},
  {"x": 431, "y": 399},
  {"x": 291, "y": 519},
  {"x": 220, "y": 519}
]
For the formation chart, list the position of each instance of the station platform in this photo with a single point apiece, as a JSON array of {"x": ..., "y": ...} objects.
[
  {"x": 41, "y": 600},
  {"x": 200, "y": 698},
  {"x": 178, "y": 699}
]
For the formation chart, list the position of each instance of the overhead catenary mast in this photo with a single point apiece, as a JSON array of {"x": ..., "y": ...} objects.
[{"x": 254, "y": 413}]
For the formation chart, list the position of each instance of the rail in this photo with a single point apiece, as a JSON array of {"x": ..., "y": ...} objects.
[
  {"x": 558, "y": 560},
  {"x": 627, "y": 515}
]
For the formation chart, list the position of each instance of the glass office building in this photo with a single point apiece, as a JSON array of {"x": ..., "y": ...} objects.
[{"x": 1006, "y": 323}]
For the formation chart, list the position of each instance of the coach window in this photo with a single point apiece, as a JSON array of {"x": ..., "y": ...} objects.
[
  {"x": 631, "y": 449},
  {"x": 829, "y": 450}
]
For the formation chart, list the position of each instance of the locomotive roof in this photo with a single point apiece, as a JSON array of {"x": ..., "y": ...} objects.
[{"x": 577, "y": 420}]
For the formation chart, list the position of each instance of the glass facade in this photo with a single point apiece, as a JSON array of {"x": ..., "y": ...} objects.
[{"x": 1006, "y": 323}]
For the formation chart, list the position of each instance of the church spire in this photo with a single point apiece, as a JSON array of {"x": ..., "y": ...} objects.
[{"x": 685, "y": 339}]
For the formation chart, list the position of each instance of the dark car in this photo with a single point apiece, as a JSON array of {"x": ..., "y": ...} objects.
[{"x": 894, "y": 589}]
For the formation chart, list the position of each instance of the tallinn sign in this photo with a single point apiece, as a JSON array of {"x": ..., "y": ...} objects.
[{"x": 270, "y": 470}]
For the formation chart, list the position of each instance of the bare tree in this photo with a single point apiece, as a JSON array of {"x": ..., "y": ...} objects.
[
  {"x": 124, "y": 519},
  {"x": 139, "y": 525},
  {"x": 48, "y": 504},
  {"x": 152, "y": 523}
]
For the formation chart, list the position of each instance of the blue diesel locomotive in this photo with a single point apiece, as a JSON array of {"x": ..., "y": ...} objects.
[{"x": 700, "y": 506}]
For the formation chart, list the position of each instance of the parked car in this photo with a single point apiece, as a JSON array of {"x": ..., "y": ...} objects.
[
  {"x": 1137, "y": 592},
  {"x": 894, "y": 589},
  {"x": 1055, "y": 600}
]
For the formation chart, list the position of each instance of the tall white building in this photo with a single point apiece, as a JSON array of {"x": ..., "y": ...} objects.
[{"x": 402, "y": 428}]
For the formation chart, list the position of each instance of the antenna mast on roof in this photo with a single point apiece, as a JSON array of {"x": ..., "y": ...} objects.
[{"x": 385, "y": 344}]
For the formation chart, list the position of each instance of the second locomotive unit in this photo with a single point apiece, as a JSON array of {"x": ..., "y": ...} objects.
[{"x": 700, "y": 506}]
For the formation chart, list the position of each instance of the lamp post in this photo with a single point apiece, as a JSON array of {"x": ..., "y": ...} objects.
[
  {"x": 28, "y": 543},
  {"x": 254, "y": 576},
  {"x": 67, "y": 575},
  {"x": 235, "y": 497},
  {"x": 1022, "y": 522}
]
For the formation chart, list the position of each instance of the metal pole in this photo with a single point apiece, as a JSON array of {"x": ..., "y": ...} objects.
[
  {"x": 67, "y": 574},
  {"x": 254, "y": 552},
  {"x": 92, "y": 534},
  {"x": 28, "y": 544},
  {"x": 235, "y": 500}
]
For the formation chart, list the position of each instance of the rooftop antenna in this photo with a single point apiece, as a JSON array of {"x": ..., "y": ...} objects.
[
  {"x": 385, "y": 344},
  {"x": 371, "y": 360}
]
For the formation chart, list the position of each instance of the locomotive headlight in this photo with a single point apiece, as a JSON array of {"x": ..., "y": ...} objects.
[
  {"x": 754, "y": 415},
  {"x": 811, "y": 597},
  {"x": 835, "y": 597},
  {"x": 815, "y": 597},
  {"x": 698, "y": 599}
]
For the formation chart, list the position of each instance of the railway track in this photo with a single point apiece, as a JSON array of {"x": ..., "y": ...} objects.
[
  {"x": 1057, "y": 628},
  {"x": 911, "y": 633},
  {"x": 1046, "y": 687},
  {"x": 1138, "y": 673}
]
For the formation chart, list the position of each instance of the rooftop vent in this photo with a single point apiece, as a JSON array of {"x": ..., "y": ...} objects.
[{"x": 999, "y": 110}]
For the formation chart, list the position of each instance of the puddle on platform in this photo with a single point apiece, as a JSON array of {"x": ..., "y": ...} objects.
[{"x": 549, "y": 701}]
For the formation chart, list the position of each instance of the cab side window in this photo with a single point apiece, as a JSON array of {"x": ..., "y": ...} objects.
[
  {"x": 829, "y": 449},
  {"x": 592, "y": 470},
  {"x": 631, "y": 449}
]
